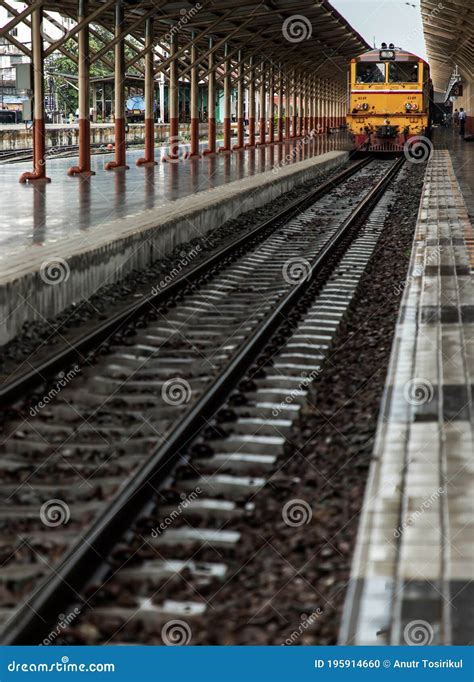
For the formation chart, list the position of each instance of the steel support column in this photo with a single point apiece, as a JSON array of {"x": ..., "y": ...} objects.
[
  {"x": 294, "y": 128},
  {"x": 287, "y": 107},
  {"x": 94, "y": 103},
  {"x": 281, "y": 131},
  {"x": 227, "y": 146},
  {"x": 194, "y": 151},
  {"x": 251, "y": 93},
  {"x": 307, "y": 126},
  {"x": 300, "y": 132},
  {"x": 39, "y": 141},
  {"x": 149, "y": 157},
  {"x": 262, "y": 107},
  {"x": 173, "y": 103},
  {"x": 119, "y": 93},
  {"x": 211, "y": 104},
  {"x": 271, "y": 108},
  {"x": 240, "y": 105},
  {"x": 84, "y": 167}
]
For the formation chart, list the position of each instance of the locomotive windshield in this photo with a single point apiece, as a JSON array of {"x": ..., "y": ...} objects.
[
  {"x": 370, "y": 72},
  {"x": 402, "y": 72}
]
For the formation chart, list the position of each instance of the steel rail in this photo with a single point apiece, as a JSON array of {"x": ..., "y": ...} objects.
[
  {"x": 62, "y": 587},
  {"x": 65, "y": 356}
]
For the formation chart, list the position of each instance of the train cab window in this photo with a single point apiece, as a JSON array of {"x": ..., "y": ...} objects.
[
  {"x": 402, "y": 72},
  {"x": 370, "y": 72}
]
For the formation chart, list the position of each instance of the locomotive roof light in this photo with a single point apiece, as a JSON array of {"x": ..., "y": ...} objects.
[
  {"x": 384, "y": 46},
  {"x": 391, "y": 46}
]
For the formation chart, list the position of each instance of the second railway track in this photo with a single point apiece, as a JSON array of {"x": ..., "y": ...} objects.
[{"x": 87, "y": 464}]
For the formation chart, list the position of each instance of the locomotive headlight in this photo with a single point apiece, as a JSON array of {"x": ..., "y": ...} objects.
[
  {"x": 408, "y": 106},
  {"x": 387, "y": 54},
  {"x": 414, "y": 107},
  {"x": 365, "y": 106}
]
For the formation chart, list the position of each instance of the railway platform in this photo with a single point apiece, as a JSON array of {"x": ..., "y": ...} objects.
[
  {"x": 413, "y": 566},
  {"x": 101, "y": 228}
]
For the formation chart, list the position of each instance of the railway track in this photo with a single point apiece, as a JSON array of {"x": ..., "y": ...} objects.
[
  {"x": 56, "y": 151},
  {"x": 187, "y": 401}
]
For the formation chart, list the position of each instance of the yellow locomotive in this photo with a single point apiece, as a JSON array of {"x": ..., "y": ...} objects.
[{"x": 391, "y": 96}]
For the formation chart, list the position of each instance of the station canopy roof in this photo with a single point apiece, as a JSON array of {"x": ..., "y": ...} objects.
[
  {"x": 449, "y": 34},
  {"x": 305, "y": 34}
]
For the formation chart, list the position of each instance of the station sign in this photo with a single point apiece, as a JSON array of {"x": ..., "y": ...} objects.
[{"x": 456, "y": 90}]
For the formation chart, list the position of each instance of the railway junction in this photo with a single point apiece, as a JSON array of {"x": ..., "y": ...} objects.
[{"x": 236, "y": 358}]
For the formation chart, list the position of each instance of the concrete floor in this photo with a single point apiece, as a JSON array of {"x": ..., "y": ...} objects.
[
  {"x": 42, "y": 214},
  {"x": 462, "y": 156}
]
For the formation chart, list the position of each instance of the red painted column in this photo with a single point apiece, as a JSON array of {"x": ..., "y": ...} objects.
[
  {"x": 84, "y": 167},
  {"x": 262, "y": 112},
  {"x": 240, "y": 105},
  {"x": 280, "y": 109},
  {"x": 119, "y": 106},
  {"x": 173, "y": 104},
  {"x": 227, "y": 146},
  {"x": 294, "y": 127},
  {"x": 300, "y": 109},
  {"x": 271, "y": 113},
  {"x": 194, "y": 151},
  {"x": 149, "y": 157},
  {"x": 251, "y": 142},
  {"x": 39, "y": 145},
  {"x": 211, "y": 105}
]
